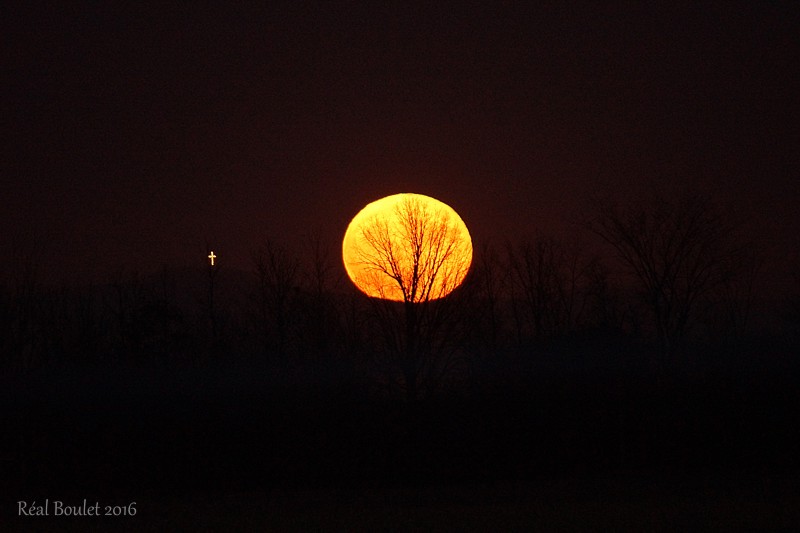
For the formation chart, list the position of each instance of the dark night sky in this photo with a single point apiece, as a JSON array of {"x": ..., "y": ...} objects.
[{"x": 130, "y": 137}]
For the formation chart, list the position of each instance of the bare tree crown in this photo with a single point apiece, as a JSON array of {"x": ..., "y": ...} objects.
[{"x": 419, "y": 253}]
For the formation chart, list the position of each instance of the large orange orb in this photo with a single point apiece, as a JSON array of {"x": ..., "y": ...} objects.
[{"x": 408, "y": 248}]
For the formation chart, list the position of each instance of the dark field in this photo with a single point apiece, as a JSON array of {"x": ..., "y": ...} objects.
[
  {"x": 250, "y": 446},
  {"x": 632, "y": 502}
]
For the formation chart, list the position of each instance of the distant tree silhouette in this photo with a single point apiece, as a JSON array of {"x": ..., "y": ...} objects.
[
  {"x": 141, "y": 319},
  {"x": 791, "y": 307},
  {"x": 88, "y": 330},
  {"x": 416, "y": 260},
  {"x": 158, "y": 331},
  {"x": 319, "y": 321},
  {"x": 677, "y": 251},
  {"x": 605, "y": 308},
  {"x": 125, "y": 297},
  {"x": 549, "y": 287},
  {"x": 488, "y": 285},
  {"x": 730, "y": 304},
  {"x": 277, "y": 272},
  {"x": 25, "y": 302},
  {"x": 6, "y": 330}
]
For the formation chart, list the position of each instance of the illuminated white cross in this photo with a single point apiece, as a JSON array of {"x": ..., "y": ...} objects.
[{"x": 212, "y": 257}]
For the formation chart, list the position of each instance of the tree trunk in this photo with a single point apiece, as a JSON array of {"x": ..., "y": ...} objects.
[{"x": 410, "y": 358}]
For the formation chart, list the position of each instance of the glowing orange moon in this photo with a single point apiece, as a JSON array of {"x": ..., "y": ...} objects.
[{"x": 408, "y": 248}]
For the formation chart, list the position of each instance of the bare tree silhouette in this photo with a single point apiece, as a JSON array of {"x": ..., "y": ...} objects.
[
  {"x": 676, "y": 250},
  {"x": 415, "y": 259},
  {"x": 120, "y": 302},
  {"x": 277, "y": 272},
  {"x": 489, "y": 281},
  {"x": 25, "y": 295},
  {"x": 416, "y": 263},
  {"x": 318, "y": 310},
  {"x": 549, "y": 287},
  {"x": 734, "y": 296}
]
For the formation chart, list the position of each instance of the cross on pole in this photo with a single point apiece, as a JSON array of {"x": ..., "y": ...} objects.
[{"x": 211, "y": 256}]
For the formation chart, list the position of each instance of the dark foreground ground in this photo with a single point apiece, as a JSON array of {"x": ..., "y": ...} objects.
[
  {"x": 631, "y": 502},
  {"x": 246, "y": 447}
]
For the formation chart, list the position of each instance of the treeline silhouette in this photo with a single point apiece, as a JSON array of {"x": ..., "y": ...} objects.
[{"x": 553, "y": 358}]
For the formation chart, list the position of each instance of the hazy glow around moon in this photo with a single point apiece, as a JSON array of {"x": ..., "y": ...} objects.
[{"x": 407, "y": 247}]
